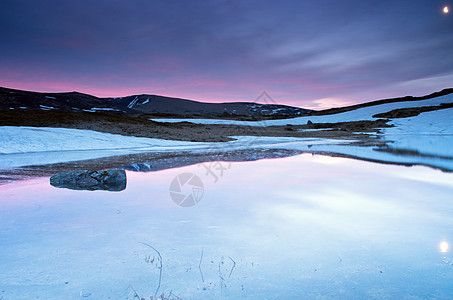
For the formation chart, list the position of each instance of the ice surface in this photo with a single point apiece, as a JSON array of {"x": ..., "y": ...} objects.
[{"x": 305, "y": 227}]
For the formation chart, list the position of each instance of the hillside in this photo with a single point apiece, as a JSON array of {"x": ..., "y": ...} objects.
[
  {"x": 11, "y": 99},
  {"x": 25, "y": 100},
  {"x": 152, "y": 104}
]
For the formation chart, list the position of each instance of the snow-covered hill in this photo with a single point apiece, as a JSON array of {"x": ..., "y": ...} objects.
[
  {"x": 365, "y": 113},
  {"x": 11, "y": 99}
]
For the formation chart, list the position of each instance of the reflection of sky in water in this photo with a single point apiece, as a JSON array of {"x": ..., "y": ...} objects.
[{"x": 299, "y": 227}]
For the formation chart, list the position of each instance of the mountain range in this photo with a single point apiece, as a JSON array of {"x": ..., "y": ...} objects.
[{"x": 11, "y": 99}]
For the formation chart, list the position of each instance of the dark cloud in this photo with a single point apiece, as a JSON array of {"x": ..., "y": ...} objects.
[{"x": 298, "y": 51}]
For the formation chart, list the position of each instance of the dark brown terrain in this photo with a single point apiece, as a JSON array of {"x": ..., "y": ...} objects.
[{"x": 137, "y": 125}]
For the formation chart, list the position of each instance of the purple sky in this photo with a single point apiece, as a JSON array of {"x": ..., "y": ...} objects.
[{"x": 312, "y": 54}]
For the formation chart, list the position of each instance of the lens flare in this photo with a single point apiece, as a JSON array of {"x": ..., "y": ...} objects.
[
  {"x": 446, "y": 10},
  {"x": 443, "y": 247}
]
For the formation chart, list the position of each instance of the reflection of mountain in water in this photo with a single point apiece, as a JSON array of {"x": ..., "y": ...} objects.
[
  {"x": 115, "y": 180},
  {"x": 178, "y": 161}
]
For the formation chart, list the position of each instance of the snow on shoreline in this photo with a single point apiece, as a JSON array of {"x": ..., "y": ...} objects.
[
  {"x": 37, "y": 139},
  {"x": 428, "y": 133},
  {"x": 24, "y": 146}
]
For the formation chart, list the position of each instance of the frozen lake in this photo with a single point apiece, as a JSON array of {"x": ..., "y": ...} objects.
[{"x": 301, "y": 227}]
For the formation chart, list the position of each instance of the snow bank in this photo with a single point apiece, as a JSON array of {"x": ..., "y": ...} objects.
[
  {"x": 433, "y": 122},
  {"x": 429, "y": 133},
  {"x": 32, "y": 139}
]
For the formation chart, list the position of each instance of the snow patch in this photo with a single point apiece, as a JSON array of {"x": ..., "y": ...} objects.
[
  {"x": 37, "y": 139},
  {"x": 133, "y": 102},
  {"x": 428, "y": 133},
  {"x": 44, "y": 107},
  {"x": 104, "y": 109}
]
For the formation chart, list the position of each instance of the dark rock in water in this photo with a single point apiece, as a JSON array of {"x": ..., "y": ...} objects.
[
  {"x": 309, "y": 122},
  {"x": 91, "y": 180}
]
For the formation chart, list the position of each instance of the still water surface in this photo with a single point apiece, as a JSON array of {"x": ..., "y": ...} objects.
[{"x": 292, "y": 228}]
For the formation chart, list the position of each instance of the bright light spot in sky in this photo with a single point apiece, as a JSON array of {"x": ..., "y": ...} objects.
[
  {"x": 443, "y": 247},
  {"x": 446, "y": 10}
]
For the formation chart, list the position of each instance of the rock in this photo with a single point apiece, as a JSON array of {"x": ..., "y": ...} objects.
[
  {"x": 309, "y": 122},
  {"x": 108, "y": 180}
]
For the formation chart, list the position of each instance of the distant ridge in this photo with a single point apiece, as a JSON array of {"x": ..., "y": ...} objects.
[
  {"x": 330, "y": 111},
  {"x": 11, "y": 99}
]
